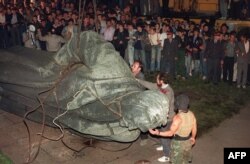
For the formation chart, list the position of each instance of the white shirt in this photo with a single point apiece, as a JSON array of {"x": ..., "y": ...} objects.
[
  {"x": 163, "y": 37},
  {"x": 103, "y": 26},
  {"x": 14, "y": 19},
  {"x": 2, "y": 19},
  {"x": 53, "y": 41},
  {"x": 109, "y": 33},
  {"x": 154, "y": 38},
  {"x": 246, "y": 46}
]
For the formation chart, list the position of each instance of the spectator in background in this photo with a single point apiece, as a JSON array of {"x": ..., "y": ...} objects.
[
  {"x": 38, "y": 14},
  {"x": 4, "y": 41},
  {"x": 101, "y": 22},
  {"x": 29, "y": 38},
  {"x": 194, "y": 46},
  {"x": 235, "y": 9},
  {"x": 16, "y": 20},
  {"x": 243, "y": 56},
  {"x": 214, "y": 54},
  {"x": 86, "y": 23},
  {"x": 223, "y": 8},
  {"x": 229, "y": 58},
  {"x": 74, "y": 17},
  {"x": 131, "y": 41},
  {"x": 109, "y": 31},
  {"x": 224, "y": 29},
  {"x": 203, "y": 64},
  {"x": 120, "y": 39},
  {"x": 32, "y": 7},
  {"x": 169, "y": 55},
  {"x": 182, "y": 41},
  {"x": 49, "y": 22},
  {"x": 28, "y": 15},
  {"x": 147, "y": 47},
  {"x": 45, "y": 28},
  {"x": 69, "y": 30},
  {"x": 188, "y": 54},
  {"x": 92, "y": 23},
  {"x": 57, "y": 26},
  {"x": 245, "y": 7},
  {"x": 163, "y": 34},
  {"x": 140, "y": 37},
  {"x": 155, "y": 41},
  {"x": 35, "y": 22}
]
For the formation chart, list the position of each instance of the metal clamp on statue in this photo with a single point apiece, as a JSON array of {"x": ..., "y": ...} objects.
[{"x": 86, "y": 86}]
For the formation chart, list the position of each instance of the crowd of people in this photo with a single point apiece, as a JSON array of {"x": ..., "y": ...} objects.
[{"x": 180, "y": 47}]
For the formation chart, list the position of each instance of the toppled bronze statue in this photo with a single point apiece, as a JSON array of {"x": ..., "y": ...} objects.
[{"x": 88, "y": 89}]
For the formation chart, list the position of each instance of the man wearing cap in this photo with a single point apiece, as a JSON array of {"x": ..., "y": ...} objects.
[{"x": 183, "y": 129}]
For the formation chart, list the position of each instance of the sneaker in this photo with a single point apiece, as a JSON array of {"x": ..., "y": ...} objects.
[
  {"x": 244, "y": 87},
  {"x": 238, "y": 86},
  {"x": 160, "y": 148},
  {"x": 164, "y": 159}
]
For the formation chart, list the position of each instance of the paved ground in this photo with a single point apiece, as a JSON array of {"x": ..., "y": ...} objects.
[{"x": 233, "y": 132}]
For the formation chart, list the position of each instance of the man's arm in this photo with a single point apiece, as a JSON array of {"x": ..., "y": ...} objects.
[
  {"x": 40, "y": 37},
  {"x": 147, "y": 84},
  {"x": 173, "y": 128},
  {"x": 194, "y": 132}
]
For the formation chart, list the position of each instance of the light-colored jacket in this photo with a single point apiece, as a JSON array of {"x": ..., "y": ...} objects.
[
  {"x": 53, "y": 42},
  {"x": 30, "y": 41}
]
